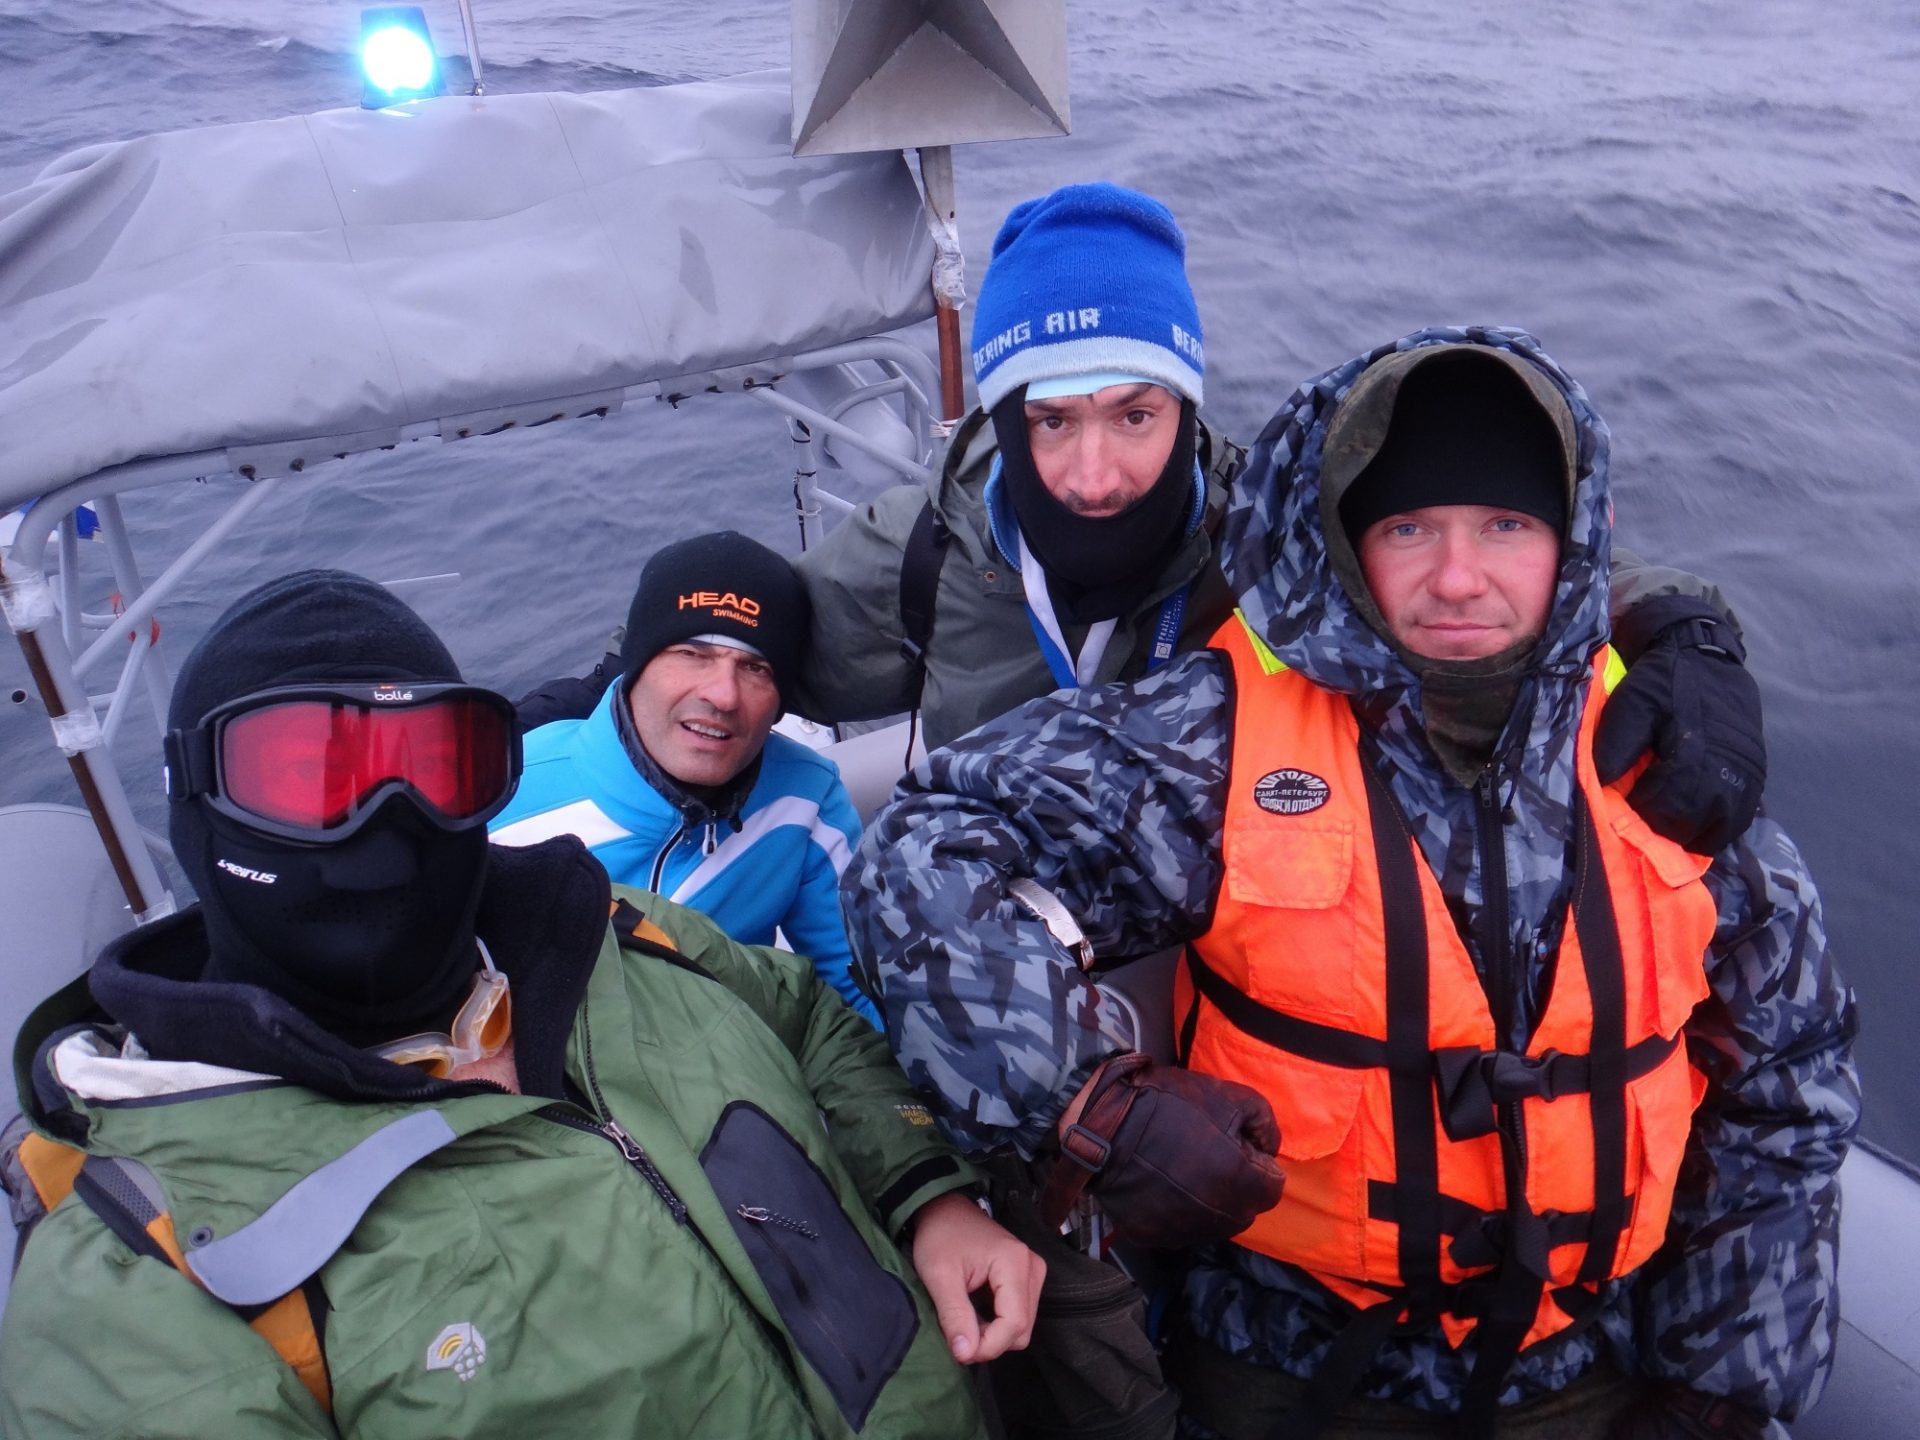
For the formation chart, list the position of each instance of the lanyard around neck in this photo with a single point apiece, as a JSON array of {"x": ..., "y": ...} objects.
[
  {"x": 1068, "y": 675},
  {"x": 1068, "y": 671}
]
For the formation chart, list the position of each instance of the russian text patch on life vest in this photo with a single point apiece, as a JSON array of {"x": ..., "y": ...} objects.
[{"x": 1290, "y": 792}]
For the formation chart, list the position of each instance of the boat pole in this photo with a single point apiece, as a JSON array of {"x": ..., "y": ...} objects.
[
  {"x": 949, "y": 273},
  {"x": 473, "y": 48},
  {"x": 28, "y": 602}
]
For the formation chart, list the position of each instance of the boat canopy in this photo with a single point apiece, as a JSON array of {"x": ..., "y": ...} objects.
[{"x": 288, "y": 290}]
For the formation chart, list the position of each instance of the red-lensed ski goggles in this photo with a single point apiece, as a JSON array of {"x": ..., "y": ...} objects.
[{"x": 312, "y": 762}]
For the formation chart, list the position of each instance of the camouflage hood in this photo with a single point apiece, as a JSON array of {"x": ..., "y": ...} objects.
[{"x": 1286, "y": 578}]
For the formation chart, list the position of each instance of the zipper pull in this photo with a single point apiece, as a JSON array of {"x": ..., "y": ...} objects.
[
  {"x": 629, "y": 1147},
  {"x": 1486, "y": 791},
  {"x": 761, "y": 1215},
  {"x": 638, "y": 1158},
  {"x": 712, "y": 841}
]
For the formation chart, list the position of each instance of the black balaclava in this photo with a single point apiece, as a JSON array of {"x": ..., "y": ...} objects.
[
  {"x": 1447, "y": 425},
  {"x": 1097, "y": 567},
  {"x": 371, "y": 937}
]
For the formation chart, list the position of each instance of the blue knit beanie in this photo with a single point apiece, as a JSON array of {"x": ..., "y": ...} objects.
[{"x": 1089, "y": 279}]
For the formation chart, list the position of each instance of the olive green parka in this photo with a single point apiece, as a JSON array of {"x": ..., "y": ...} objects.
[{"x": 694, "y": 1233}]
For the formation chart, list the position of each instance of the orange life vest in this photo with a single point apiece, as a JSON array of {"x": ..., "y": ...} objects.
[{"x": 1426, "y": 1164}]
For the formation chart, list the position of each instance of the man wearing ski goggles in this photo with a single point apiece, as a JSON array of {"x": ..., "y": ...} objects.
[{"x": 314, "y": 762}]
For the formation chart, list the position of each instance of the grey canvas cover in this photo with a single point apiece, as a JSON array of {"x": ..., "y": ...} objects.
[{"x": 345, "y": 274}]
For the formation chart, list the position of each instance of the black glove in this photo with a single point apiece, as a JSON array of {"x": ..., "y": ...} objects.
[
  {"x": 1175, "y": 1158},
  {"x": 1689, "y": 699},
  {"x": 1672, "y": 1412}
]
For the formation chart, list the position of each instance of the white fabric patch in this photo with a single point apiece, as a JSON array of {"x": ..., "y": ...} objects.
[
  {"x": 89, "y": 1066},
  {"x": 582, "y": 818},
  {"x": 731, "y": 642}
]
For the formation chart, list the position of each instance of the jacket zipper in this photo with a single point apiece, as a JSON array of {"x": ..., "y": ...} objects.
[
  {"x": 761, "y": 1215},
  {"x": 611, "y": 1129},
  {"x": 636, "y": 1156},
  {"x": 1503, "y": 978},
  {"x": 1500, "y": 976},
  {"x": 660, "y": 860}
]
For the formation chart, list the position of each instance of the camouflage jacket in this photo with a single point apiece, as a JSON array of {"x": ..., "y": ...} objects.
[{"x": 1114, "y": 798}]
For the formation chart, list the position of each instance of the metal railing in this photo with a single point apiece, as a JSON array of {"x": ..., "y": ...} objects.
[{"x": 63, "y": 642}]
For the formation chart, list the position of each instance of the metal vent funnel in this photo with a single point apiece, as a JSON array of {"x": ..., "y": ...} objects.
[{"x": 903, "y": 74}]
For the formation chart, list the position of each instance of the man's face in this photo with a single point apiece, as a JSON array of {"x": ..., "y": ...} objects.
[
  {"x": 1461, "y": 582},
  {"x": 1098, "y": 453},
  {"x": 703, "y": 711}
]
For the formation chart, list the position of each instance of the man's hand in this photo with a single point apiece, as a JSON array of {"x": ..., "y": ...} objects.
[
  {"x": 1175, "y": 1158},
  {"x": 958, "y": 1250},
  {"x": 1689, "y": 700},
  {"x": 1673, "y": 1412}
]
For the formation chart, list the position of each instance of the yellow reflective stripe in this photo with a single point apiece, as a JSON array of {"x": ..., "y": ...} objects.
[
  {"x": 1615, "y": 670},
  {"x": 1270, "y": 663}
]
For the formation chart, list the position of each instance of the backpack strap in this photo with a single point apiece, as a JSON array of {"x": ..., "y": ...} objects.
[
  {"x": 129, "y": 1201},
  {"x": 920, "y": 563}
]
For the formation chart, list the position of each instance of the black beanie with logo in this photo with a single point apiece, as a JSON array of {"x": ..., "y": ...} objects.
[{"x": 720, "y": 584}]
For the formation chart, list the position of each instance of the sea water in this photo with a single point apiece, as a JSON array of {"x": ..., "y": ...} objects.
[{"x": 1709, "y": 213}]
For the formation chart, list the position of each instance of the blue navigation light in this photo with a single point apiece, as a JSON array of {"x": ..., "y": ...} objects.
[{"x": 397, "y": 57}]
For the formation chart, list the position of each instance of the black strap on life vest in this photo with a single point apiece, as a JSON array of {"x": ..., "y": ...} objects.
[
  {"x": 1409, "y": 1040},
  {"x": 1611, "y": 1063},
  {"x": 1521, "y": 1278},
  {"x": 920, "y": 563},
  {"x": 1409, "y": 1063},
  {"x": 1473, "y": 1082}
]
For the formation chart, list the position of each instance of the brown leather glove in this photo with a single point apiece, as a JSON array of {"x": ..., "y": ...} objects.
[
  {"x": 1174, "y": 1158},
  {"x": 1673, "y": 1412}
]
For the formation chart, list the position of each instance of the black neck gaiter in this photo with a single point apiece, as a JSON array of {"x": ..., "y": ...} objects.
[
  {"x": 371, "y": 938},
  {"x": 1097, "y": 567}
]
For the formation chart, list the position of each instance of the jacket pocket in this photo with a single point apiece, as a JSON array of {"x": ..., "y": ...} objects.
[
  {"x": 849, "y": 1318},
  {"x": 1321, "y": 1219},
  {"x": 1660, "y": 1119},
  {"x": 1680, "y": 915},
  {"x": 1284, "y": 863}
]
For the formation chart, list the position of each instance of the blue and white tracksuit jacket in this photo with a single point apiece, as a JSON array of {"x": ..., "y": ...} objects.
[{"x": 776, "y": 863}]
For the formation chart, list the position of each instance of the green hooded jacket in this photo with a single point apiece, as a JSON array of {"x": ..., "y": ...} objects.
[{"x": 724, "y": 1263}]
